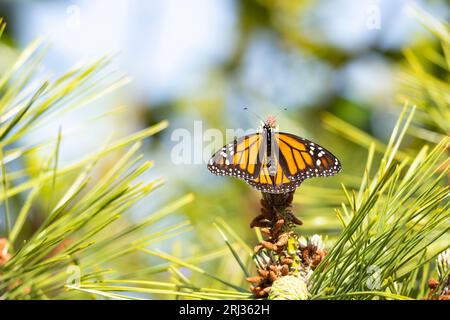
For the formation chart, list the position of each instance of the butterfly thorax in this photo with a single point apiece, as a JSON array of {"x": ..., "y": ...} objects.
[
  {"x": 267, "y": 131},
  {"x": 267, "y": 128}
]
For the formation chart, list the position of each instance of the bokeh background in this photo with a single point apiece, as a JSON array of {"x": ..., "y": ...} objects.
[{"x": 205, "y": 60}]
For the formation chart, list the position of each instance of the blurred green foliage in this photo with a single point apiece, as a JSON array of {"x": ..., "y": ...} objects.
[{"x": 195, "y": 252}]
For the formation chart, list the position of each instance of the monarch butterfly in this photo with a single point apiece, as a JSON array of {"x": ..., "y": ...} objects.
[{"x": 272, "y": 161}]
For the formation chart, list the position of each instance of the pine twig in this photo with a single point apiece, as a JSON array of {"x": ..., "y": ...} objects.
[{"x": 284, "y": 260}]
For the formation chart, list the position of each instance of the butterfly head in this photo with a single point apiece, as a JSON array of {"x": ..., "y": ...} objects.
[{"x": 270, "y": 124}]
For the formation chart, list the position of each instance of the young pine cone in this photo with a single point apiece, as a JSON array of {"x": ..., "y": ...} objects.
[{"x": 289, "y": 287}]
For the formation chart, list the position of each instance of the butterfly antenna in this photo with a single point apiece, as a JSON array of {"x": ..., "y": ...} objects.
[
  {"x": 280, "y": 111},
  {"x": 255, "y": 114}
]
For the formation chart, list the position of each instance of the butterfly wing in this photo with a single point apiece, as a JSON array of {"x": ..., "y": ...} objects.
[
  {"x": 302, "y": 159},
  {"x": 239, "y": 158}
]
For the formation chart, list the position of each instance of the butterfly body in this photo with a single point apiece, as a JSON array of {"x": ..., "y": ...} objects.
[{"x": 272, "y": 161}]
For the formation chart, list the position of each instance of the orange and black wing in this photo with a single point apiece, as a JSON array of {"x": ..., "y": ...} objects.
[
  {"x": 301, "y": 159},
  {"x": 239, "y": 158}
]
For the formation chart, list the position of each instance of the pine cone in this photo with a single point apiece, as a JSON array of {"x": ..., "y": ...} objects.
[
  {"x": 443, "y": 268},
  {"x": 289, "y": 287}
]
